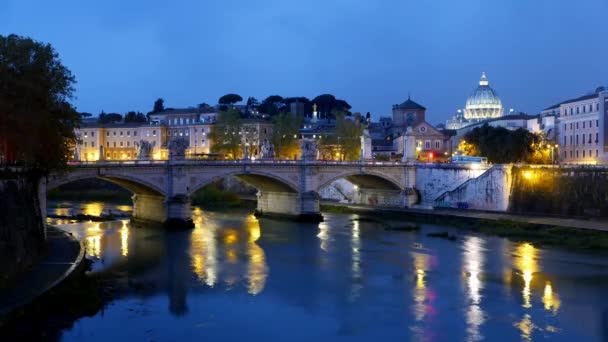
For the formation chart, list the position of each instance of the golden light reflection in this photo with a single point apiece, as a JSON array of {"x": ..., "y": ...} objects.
[
  {"x": 93, "y": 208},
  {"x": 526, "y": 327},
  {"x": 93, "y": 246},
  {"x": 204, "y": 254},
  {"x": 473, "y": 259},
  {"x": 527, "y": 265},
  {"x": 550, "y": 299},
  {"x": 324, "y": 235},
  {"x": 231, "y": 236},
  {"x": 124, "y": 238},
  {"x": 257, "y": 271},
  {"x": 62, "y": 211},
  {"x": 124, "y": 208},
  {"x": 421, "y": 264}
]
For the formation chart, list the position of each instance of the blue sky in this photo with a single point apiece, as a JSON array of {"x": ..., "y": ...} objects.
[{"x": 372, "y": 53}]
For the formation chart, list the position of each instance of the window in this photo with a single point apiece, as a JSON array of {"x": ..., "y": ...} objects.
[
  {"x": 128, "y": 133},
  {"x": 114, "y": 133},
  {"x": 583, "y": 138},
  {"x": 597, "y": 106},
  {"x": 577, "y": 125},
  {"x": 128, "y": 144},
  {"x": 108, "y": 155},
  {"x": 571, "y": 154},
  {"x": 591, "y": 108},
  {"x": 121, "y": 133},
  {"x": 583, "y": 124},
  {"x": 596, "y": 153},
  {"x": 114, "y": 143},
  {"x": 107, "y": 143},
  {"x": 590, "y": 138},
  {"x": 564, "y": 140},
  {"x": 576, "y": 153},
  {"x": 92, "y": 144},
  {"x": 85, "y": 144},
  {"x": 577, "y": 139},
  {"x": 597, "y": 123},
  {"x": 565, "y": 155},
  {"x": 169, "y": 133},
  {"x": 107, "y": 134},
  {"x": 92, "y": 134},
  {"x": 571, "y": 125},
  {"x": 134, "y": 133},
  {"x": 578, "y": 111},
  {"x": 590, "y": 154},
  {"x": 153, "y": 132},
  {"x": 597, "y": 138},
  {"x": 427, "y": 144},
  {"x": 437, "y": 144},
  {"x": 121, "y": 144},
  {"x": 583, "y": 153},
  {"x": 571, "y": 140},
  {"x": 571, "y": 111},
  {"x": 565, "y": 127},
  {"x": 584, "y": 109}
]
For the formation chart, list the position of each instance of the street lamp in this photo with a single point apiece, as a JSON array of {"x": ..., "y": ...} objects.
[{"x": 552, "y": 148}]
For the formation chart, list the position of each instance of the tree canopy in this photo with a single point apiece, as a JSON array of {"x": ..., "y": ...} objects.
[
  {"x": 159, "y": 105},
  {"x": 345, "y": 144},
  {"x": 501, "y": 145},
  {"x": 107, "y": 118},
  {"x": 230, "y": 99},
  {"x": 37, "y": 120},
  {"x": 135, "y": 117},
  {"x": 225, "y": 134},
  {"x": 329, "y": 106},
  {"x": 285, "y": 133}
]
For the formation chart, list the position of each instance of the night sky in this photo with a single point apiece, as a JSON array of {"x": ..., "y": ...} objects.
[{"x": 125, "y": 54}]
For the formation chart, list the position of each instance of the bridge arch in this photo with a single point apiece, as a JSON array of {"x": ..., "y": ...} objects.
[
  {"x": 130, "y": 183},
  {"x": 263, "y": 181},
  {"x": 364, "y": 180}
]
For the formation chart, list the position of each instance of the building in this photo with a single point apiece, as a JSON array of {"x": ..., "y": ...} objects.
[
  {"x": 387, "y": 135},
  {"x": 583, "y": 128},
  {"x": 482, "y": 105}
]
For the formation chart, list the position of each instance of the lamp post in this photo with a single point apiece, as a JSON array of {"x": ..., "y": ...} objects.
[{"x": 552, "y": 148}]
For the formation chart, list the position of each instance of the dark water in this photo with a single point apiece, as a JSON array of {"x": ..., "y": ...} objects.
[{"x": 236, "y": 278}]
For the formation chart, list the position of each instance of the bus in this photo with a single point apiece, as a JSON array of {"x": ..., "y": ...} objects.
[{"x": 469, "y": 160}]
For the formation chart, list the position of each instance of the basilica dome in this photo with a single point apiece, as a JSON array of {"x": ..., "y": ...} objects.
[{"x": 484, "y": 103}]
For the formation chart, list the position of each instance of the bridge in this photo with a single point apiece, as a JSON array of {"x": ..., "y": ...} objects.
[{"x": 162, "y": 189}]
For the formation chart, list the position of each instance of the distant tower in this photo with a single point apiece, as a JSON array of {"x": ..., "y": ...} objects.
[{"x": 315, "y": 114}]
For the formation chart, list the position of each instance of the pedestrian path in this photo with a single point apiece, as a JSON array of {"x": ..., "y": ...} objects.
[
  {"x": 63, "y": 255},
  {"x": 592, "y": 224}
]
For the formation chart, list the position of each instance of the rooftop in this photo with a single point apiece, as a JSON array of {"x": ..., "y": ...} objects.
[{"x": 409, "y": 104}]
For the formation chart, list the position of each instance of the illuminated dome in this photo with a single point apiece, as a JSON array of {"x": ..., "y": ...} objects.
[{"x": 484, "y": 103}]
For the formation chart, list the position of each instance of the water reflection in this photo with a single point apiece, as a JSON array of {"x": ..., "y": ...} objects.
[
  {"x": 236, "y": 243},
  {"x": 473, "y": 259},
  {"x": 217, "y": 276},
  {"x": 423, "y": 297}
]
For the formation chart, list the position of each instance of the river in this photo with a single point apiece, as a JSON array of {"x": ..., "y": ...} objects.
[{"x": 237, "y": 278}]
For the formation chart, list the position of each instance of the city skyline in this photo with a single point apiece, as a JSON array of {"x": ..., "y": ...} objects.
[{"x": 126, "y": 56}]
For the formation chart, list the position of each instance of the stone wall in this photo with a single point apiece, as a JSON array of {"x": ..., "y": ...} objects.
[
  {"x": 566, "y": 191},
  {"x": 22, "y": 231},
  {"x": 434, "y": 180},
  {"x": 490, "y": 191}
]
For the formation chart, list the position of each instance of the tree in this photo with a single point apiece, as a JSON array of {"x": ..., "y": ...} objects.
[
  {"x": 230, "y": 99},
  {"x": 501, "y": 145},
  {"x": 109, "y": 118},
  {"x": 271, "y": 105},
  {"x": 37, "y": 121},
  {"x": 349, "y": 130},
  {"x": 159, "y": 106},
  {"x": 134, "y": 117},
  {"x": 329, "y": 106},
  {"x": 252, "y": 102},
  {"x": 285, "y": 133},
  {"x": 85, "y": 115},
  {"x": 226, "y": 134}
]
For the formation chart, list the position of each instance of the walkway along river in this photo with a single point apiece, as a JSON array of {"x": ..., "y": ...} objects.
[{"x": 235, "y": 277}]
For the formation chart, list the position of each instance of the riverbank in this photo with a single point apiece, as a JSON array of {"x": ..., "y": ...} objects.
[
  {"x": 64, "y": 256},
  {"x": 543, "y": 231}
]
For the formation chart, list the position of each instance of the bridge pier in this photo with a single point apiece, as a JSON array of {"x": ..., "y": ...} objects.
[
  {"x": 299, "y": 206},
  {"x": 381, "y": 198},
  {"x": 174, "y": 212}
]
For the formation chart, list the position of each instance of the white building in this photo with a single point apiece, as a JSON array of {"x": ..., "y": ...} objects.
[{"x": 583, "y": 128}]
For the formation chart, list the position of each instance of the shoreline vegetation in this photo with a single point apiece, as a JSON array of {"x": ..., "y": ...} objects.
[{"x": 538, "y": 235}]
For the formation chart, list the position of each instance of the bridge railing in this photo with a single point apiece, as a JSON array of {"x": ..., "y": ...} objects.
[{"x": 232, "y": 162}]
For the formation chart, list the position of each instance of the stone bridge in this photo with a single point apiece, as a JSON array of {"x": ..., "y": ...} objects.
[{"x": 162, "y": 189}]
